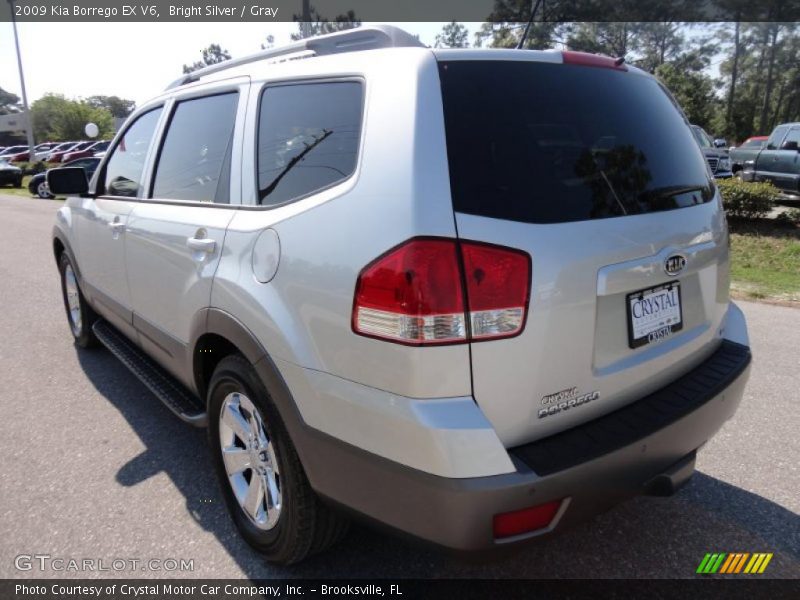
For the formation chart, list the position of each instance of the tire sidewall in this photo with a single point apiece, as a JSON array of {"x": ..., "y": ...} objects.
[
  {"x": 238, "y": 376},
  {"x": 84, "y": 340}
]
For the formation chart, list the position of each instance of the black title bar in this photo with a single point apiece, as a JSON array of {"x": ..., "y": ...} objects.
[{"x": 231, "y": 11}]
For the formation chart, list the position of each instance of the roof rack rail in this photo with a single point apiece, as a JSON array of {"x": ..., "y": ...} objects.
[{"x": 350, "y": 40}]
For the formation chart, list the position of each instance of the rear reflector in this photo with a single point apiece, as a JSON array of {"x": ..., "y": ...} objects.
[
  {"x": 526, "y": 520},
  {"x": 415, "y": 294},
  {"x": 585, "y": 59}
]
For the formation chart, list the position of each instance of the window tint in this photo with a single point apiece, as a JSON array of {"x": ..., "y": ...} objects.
[
  {"x": 777, "y": 136},
  {"x": 126, "y": 165},
  {"x": 307, "y": 139},
  {"x": 547, "y": 143},
  {"x": 194, "y": 163}
]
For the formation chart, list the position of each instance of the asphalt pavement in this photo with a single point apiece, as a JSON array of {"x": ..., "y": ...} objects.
[{"x": 94, "y": 467}]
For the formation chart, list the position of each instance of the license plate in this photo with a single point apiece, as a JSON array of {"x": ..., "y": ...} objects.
[{"x": 654, "y": 314}]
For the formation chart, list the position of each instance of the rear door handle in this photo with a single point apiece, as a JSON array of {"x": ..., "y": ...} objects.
[
  {"x": 206, "y": 245},
  {"x": 117, "y": 226}
]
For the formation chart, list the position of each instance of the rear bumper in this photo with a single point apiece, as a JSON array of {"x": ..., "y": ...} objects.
[{"x": 645, "y": 447}]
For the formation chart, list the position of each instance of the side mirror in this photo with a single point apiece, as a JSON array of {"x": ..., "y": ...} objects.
[
  {"x": 790, "y": 146},
  {"x": 67, "y": 181},
  {"x": 720, "y": 143}
]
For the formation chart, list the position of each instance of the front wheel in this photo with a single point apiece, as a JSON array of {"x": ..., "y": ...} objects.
[
  {"x": 42, "y": 190},
  {"x": 79, "y": 314},
  {"x": 262, "y": 480}
]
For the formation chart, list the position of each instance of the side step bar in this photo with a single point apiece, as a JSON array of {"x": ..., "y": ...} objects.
[{"x": 172, "y": 393}]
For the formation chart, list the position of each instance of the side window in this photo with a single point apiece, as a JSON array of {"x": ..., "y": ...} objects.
[
  {"x": 195, "y": 159},
  {"x": 308, "y": 137},
  {"x": 775, "y": 139},
  {"x": 125, "y": 168},
  {"x": 794, "y": 136}
]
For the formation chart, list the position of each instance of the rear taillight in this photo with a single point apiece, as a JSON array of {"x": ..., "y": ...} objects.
[{"x": 415, "y": 293}]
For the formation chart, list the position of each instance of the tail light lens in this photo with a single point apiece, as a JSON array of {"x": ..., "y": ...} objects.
[{"x": 441, "y": 291}]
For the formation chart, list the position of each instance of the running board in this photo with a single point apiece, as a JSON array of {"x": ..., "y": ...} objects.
[{"x": 166, "y": 388}]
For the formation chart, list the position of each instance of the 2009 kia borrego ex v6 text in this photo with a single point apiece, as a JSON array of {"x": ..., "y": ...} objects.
[{"x": 474, "y": 295}]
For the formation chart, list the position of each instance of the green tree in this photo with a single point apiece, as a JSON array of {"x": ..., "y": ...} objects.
[
  {"x": 453, "y": 35},
  {"x": 212, "y": 55},
  {"x": 694, "y": 91},
  {"x": 317, "y": 25},
  {"x": 9, "y": 103},
  {"x": 58, "y": 118},
  {"x": 118, "y": 107}
]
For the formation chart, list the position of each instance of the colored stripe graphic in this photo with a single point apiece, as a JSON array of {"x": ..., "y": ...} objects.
[
  {"x": 734, "y": 562},
  {"x": 728, "y": 562}
]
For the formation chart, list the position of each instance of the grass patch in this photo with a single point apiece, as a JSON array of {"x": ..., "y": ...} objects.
[{"x": 765, "y": 260}]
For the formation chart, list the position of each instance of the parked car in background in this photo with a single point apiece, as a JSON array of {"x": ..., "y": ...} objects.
[
  {"x": 778, "y": 161},
  {"x": 718, "y": 160},
  {"x": 41, "y": 151},
  {"x": 747, "y": 150},
  {"x": 58, "y": 156},
  {"x": 37, "y": 185},
  {"x": 10, "y": 150},
  {"x": 9, "y": 174},
  {"x": 99, "y": 146}
]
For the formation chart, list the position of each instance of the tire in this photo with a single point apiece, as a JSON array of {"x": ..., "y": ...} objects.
[
  {"x": 41, "y": 190},
  {"x": 80, "y": 315},
  {"x": 291, "y": 523}
]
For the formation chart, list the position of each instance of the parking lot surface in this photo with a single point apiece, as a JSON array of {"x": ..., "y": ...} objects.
[{"x": 95, "y": 467}]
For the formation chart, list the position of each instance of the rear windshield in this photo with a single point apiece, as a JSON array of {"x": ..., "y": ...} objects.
[{"x": 551, "y": 143}]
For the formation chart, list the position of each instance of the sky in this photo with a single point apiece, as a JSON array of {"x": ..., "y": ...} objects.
[
  {"x": 135, "y": 61},
  {"x": 131, "y": 60}
]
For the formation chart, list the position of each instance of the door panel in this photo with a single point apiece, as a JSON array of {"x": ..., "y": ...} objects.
[{"x": 175, "y": 239}]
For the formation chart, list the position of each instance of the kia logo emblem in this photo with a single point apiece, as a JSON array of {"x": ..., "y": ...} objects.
[{"x": 674, "y": 264}]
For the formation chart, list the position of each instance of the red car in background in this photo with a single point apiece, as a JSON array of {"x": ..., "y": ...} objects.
[
  {"x": 58, "y": 155},
  {"x": 100, "y": 146}
]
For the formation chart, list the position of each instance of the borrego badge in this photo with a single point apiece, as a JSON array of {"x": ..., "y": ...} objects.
[
  {"x": 565, "y": 399},
  {"x": 674, "y": 264}
]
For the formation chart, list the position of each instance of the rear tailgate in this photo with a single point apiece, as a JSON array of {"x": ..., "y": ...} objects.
[{"x": 593, "y": 172}]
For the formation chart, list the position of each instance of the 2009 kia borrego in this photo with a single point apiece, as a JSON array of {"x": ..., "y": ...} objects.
[{"x": 474, "y": 295}]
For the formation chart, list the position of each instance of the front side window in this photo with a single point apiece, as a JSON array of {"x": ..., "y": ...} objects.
[
  {"x": 195, "y": 159},
  {"x": 777, "y": 136},
  {"x": 125, "y": 168},
  {"x": 794, "y": 136},
  {"x": 308, "y": 138}
]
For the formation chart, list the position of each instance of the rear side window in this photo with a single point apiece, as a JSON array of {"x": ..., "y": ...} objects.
[
  {"x": 195, "y": 159},
  {"x": 308, "y": 138},
  {"x": 551, "y": 143},
  {"x": 126, "y": 165}
]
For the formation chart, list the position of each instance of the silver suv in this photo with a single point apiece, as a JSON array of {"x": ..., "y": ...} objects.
[{"x": 473, "y": 295}]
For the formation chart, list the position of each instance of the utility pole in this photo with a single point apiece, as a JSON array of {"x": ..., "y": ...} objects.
[
  {"x": 306, "y": 26},
  {"x": 25, "y": 110}
]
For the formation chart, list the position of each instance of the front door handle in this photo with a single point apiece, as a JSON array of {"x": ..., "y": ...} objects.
[
  {"x": 206, "y": 245},
  {"x": 116, "y": 226}
]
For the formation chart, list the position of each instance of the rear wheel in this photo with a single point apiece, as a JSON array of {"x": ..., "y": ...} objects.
[
  {"x": 263, "y": 482},
  {"x": 80, "y": 315}
]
